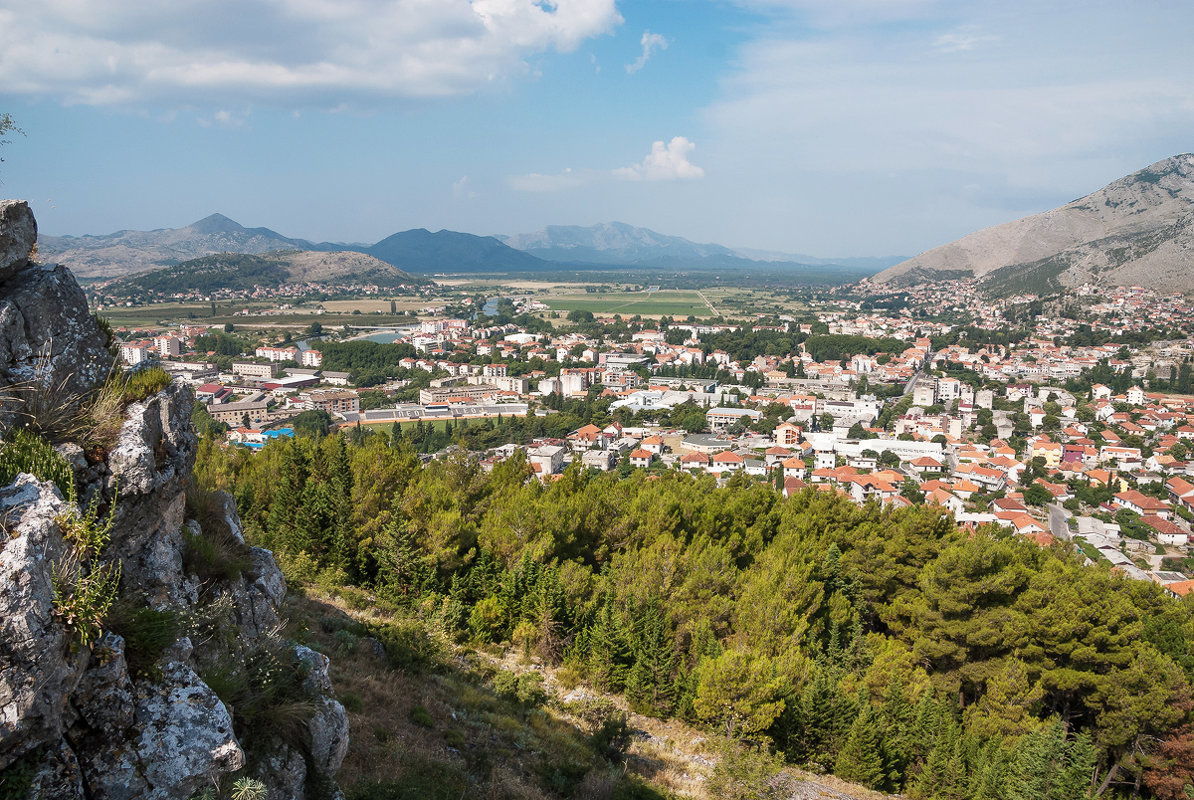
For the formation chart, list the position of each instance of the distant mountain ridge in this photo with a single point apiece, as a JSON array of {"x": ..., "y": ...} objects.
[
  {"x": 421, "y": 250},
  {"x": 617, "y": 243},
  {"x": 558, "y": 247},
  {"x": 246, "y": 271},
  {"x": 128, "y": 252},
  {"x": 1137, "y": 230}
]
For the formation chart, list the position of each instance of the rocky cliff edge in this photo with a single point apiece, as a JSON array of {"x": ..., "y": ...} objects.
[{"x": 140, "y": 654}]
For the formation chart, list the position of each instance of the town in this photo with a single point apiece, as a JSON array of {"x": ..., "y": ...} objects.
[{"x": 1072, "y": 423}]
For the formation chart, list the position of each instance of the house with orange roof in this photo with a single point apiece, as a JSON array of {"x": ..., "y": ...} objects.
[
  {"x": 641, "y": 458},
  {"x": 694, "y": 461},
  {"x": 786, "y": 434},
  {"x": 1142, "y": 504},
  {"x": 653, "y": 444},
  {"x": 794, "y": 467},
  {"x": 793, "y": 486},
  {"x": 1167, "y": 532},
  {"x": 588, "y": 437},
  {"x": 726, "y": 461}
]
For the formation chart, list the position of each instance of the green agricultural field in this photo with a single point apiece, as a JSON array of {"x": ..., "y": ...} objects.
[{"x": 670, "y": 302}]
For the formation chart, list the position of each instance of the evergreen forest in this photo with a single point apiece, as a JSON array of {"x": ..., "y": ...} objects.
[{"x": 889, "y": 647}]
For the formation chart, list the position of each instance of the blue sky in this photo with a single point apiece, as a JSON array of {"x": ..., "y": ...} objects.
[{"x": 827, "y": 127}]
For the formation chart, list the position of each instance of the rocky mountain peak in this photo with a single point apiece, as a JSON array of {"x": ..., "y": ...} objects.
[{"x": 1136, "y": 230}]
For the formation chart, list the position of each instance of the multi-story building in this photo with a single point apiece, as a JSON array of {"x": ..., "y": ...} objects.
[
  {"x": 168, "y": 346},
  {"x": 254, "y": 369}
]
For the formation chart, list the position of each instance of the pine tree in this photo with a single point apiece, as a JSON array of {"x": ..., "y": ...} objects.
[
  {"x": 860, "y": 759},
  {"x": 650, "y": 686},
  {"x": 609, "y": 655},
  {"x": 286, "y": 502}
]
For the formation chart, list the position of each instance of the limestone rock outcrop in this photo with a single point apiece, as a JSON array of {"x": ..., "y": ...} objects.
[
  {"x": 48, "y": 338},
  {"x": 152, "y": 703}
]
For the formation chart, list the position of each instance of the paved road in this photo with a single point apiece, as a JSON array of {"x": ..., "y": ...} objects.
[
  {"x": 1059, "y": 522},
  {"x": 705, "y": 300},
  {"x": 911, "y": 387}
]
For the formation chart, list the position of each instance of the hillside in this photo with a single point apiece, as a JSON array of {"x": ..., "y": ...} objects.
[
  {"x": 620, "y": 244},
  {"x": 1138, "y": 230},
  {"x": 434, "y": 720},
  {"x": 129, "y": 252},
  {"x": 422, "y": 251},
  {"x": 241, "y": 272}
]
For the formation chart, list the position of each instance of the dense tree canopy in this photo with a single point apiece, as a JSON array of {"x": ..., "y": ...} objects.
[{"x": 885, "y": 645}]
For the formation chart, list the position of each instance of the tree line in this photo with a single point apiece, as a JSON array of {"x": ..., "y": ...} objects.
[{"x": 886, "y": 646}]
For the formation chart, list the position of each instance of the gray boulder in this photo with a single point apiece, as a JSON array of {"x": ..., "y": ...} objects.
[
  {"x": 38, "y": 669},
  {"x": 51, "y": 348},
  {"x": 18, "y": 235}
]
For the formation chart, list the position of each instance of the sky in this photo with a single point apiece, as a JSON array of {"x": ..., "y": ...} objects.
[{"x": 820, "y": 127}]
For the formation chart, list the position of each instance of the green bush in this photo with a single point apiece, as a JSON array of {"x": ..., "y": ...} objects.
[
  {"x": 215, "y": 553},
  {"x": 84, "y": 587},
  {"x": 409, "y": 645},
  {"x": 17, "y": 778},
  {"x": 352, "y": 702},
  {"x": 143, "y": 383},
  {"x": 421, "y": 717},
  {"x": 25, "y": 451},
  {"x": 262, "y": 689},
  {"x": 526, "y": 689}
]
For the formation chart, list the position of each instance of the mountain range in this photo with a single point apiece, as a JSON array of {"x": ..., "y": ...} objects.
[
  {"x": 1138, "y": 230},
  {"x": 609, "y": 245},
  {"x": 246, "y": 271},
  {"x": 617, "y": 243}
]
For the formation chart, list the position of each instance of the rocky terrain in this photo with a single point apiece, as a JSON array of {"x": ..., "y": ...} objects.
[
  {"x": 1138, "y": 230},
  {"x": 139, "y": 654}
]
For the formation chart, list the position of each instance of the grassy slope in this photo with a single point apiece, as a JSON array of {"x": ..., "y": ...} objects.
[{"x": 476, "y": 742}]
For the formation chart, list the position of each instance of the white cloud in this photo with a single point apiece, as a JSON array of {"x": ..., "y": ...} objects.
[
  {"x": 665, "y": 162},
  {"x": 961, "y": 40},
  {"x": 553, "y": 182},
  {"x": 461, "y": 189},
  {"x": 650, "y": 42},
  {"x": 284, "y": 52}
]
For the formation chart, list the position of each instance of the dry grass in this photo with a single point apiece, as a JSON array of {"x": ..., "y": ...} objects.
[{"x": 495, "y": 748}]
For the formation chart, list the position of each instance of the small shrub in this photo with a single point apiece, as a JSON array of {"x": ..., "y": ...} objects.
[
  {"x": 611, "y": 739},
  {"x": 262, "y": 688},
  {"x": 17, "y": 778},
  {"x": 84, "y": 588},
  {"x": 353, "y": 703},
  {"x": 345, "y": 641},
  {"x": 745, "y": 773},
  {"x": 248, "y": 789},
  {"x": 25, "y": 451},
  {"x": 420, "y": 716},
  {"x": 454, "y": 739},
  {"x": 215, "y": 553},
  {"x": 409, "y": 645},
  {"x": 526, "y": 689}
]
